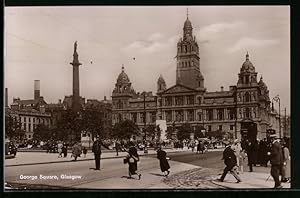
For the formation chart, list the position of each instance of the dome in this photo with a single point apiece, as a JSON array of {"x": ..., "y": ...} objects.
[
  {"x": 123, "y": 78},
  {"x": 161, "y": 79},
  {"x": 187, "y": 24},
  {"x": 261, "y": 83},
  {"x": 247, "y": 65}
]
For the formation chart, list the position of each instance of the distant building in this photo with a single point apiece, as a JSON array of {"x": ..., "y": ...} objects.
[{"x": 243, "y": 110}]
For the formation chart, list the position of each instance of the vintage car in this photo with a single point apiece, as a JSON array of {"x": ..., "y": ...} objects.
[{"x": 10, "y": 150}]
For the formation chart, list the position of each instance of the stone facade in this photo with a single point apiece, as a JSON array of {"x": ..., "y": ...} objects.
[{"x": 243, "y": 110}]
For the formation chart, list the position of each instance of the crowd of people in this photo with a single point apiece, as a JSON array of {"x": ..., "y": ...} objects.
[{"x": 273, "y": 150}]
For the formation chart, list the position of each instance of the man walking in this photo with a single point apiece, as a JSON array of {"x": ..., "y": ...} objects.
[
  {"x": 96, "y": 149},
  {"x": 231, "y": 164},
  {"x": 276, "y": 160}
]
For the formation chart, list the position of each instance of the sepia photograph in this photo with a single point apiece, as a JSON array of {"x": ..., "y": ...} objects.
[{"x": 147, "y": 97}]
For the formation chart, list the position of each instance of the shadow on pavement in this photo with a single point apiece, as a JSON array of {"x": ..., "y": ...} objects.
[{"x": 156, "y": 174}]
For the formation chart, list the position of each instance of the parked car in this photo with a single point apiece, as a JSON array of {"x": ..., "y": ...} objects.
[{"x": 10, "y": 150}]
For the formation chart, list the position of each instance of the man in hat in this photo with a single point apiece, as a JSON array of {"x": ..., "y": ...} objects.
[
  {"x": 231, "y": 163},
  {"x": 276, "y": 159},
  {"x": 96, "y": 149}
]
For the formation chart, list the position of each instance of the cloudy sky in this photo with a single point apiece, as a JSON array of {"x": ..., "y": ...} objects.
[{"x": 39, "y": 46}]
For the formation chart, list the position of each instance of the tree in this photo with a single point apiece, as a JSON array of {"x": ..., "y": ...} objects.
[
  {"x": 125, "y": 130},
  {"x": 170, "y": 132},
  {"x": 151, "y": 131},
  {"x": 73, "y": 124},
  {"x": 184, "y": 131},
  {"x": 13, "y": 127},
  {"x": 41, "y": 132}
]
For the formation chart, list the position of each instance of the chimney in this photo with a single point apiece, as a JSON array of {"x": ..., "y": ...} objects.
[
  {"x": 36, "y": 89},
  {"x": 59, "y": 101},
  {"x": 6, "y": 97},
  {"x": 222, "y": 88},
  {"x": 104, "y": 98}
]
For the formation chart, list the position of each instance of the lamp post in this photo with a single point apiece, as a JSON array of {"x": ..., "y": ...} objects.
[{"x": 277, "y": 99}]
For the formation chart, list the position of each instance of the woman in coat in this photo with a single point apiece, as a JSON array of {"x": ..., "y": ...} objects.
[
  {"x": 163, "y": 161},
  {"x": 132, "y": 158},
  {"x": 76, "y": 151},
  {"x": 286, "y": 168}
]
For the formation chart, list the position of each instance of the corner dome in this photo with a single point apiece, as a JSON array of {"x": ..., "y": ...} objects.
[
  {"x": 161, "y": 79},
  {"x": 123, "y": 78},
  {"x": 247, "y": 65}
]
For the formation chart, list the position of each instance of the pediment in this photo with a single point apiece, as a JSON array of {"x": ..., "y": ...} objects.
[{"x": 178, "y": 89}]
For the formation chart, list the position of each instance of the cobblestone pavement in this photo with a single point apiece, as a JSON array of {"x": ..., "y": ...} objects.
[{"x": 194, "y": 178}]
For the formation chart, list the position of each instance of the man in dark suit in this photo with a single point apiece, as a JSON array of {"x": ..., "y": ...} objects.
[
  {"x": 231, "y": 164},
  {"x": 276, "y": 159},
  {"x": 97, "y": 151}
]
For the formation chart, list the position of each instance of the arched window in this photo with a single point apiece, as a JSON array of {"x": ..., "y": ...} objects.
[
  {"x": 247, "y": 97},
  {"x": 248, "y": 112}
]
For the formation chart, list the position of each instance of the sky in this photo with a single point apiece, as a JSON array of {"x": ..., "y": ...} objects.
[{"x": 39, "y": 45}]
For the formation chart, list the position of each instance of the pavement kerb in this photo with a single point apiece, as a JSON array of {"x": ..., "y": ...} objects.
[{"x": 63, "y": 161}]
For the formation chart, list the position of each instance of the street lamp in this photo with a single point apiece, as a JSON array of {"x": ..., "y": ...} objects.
[{"x": 277, "y": 99}]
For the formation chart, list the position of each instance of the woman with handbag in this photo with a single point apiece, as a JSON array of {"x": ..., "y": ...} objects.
[{"x": 132, "y": 158}]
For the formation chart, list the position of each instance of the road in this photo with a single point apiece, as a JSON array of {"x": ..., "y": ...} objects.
[{"x": 113, "y": 172}]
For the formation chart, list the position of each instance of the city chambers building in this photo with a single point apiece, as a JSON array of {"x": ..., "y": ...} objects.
[{"x": 244, "y": 110}]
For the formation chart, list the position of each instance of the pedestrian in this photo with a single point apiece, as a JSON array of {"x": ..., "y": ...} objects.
[
  {"x": 163, "y": 161},
  {"x": 242, "y": 160},
  {"x": 276, "y": 159},
  {"x": 250, "y": 154},
  {"x": 286, "y": 168},
  {"x": 230, "y": 162},
  {"x": 76, "y": 150},
  {"x": 237, "y": 151},
  {"x": 84, "y": 151},
  {"x": 117, "y": 147},
  {"x": 59, "y": 148},
  {"x": 132, "y": 158},
  {"x": 97, "y": 151},
  {"x": 65, "y": 149}
]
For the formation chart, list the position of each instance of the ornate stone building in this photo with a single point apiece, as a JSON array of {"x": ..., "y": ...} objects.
[{"x": 243, "y": 110}]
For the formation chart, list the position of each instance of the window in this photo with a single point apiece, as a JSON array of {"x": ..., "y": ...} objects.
[
  {"x": 179, "y": 100},
  {"x": 231, "y": 115},
  {"x": 247, "y": 97},
  {"x": 231, "y": 127},
  {"x": 29, "y": 136},
  {"x": 33, "y": 119},
  {"x": 169, "y": 116},
  {"x": 179, "y": 116},
  {"x": 153, "y": 116},
  {"x": 168, "y": 101},
  {"x": 199, "y": 98},
  {"x": 248, "y": 113},
  {"x": 29, "y": 119},
  {"x": 220, "y": 127},
  {"x": 191, "y": 115},
  {"x": 210, "y": 114},
  {"x": 220, "y": 114},
  {"x": 199, "y": 116},
  {"x": 190, "y": 100}
]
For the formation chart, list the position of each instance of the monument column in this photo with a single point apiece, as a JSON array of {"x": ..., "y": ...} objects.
[{"x": 76, "y": 105}]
